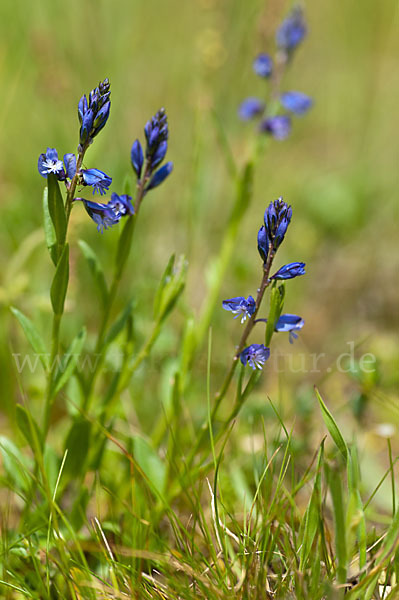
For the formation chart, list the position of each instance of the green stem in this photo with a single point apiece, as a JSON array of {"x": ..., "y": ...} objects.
[
  {"x": 55, "y": 337},
  {"x": 226, "y": 383},
  {"x": 118, "y": 273}
]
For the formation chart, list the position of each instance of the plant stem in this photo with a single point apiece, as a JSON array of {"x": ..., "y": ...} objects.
[
  {"x": 118, "y": 273},
  {"x": 55, "y": 337},
  {"x": 226, "y": 383}
]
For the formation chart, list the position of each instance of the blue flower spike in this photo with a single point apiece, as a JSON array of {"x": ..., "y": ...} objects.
[
  {"x": 240, "y": 307},
  {"x": 296, "y": 102},
  {"x": 93, "y": 113},
  {"x": 250, "y": 108},
  {"x": 277, "y": 218},
  {"x": 255, "y": 356},
  {"x": 263, "y": 65},
  {"x": 97, "y": 179},
  {"x": 50, "y": 163},
  {"x": 291, "y": 31},
  {"x": 290, "y": 271},
  {"x": 289, "y": 323}
]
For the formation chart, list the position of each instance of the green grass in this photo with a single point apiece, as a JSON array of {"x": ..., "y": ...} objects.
[{"x": 138, "y": 491}]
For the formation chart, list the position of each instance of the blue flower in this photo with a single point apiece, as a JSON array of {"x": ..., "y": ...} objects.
[
  {"x": 290, "y": 271},
  {"x": 263, "y": 243},
  {"x": 291, "y": 31},
  {"x": 279, "y": 126},
  {"x": 160, "y": 176},
  {"x": 277, "y": 218},
  {"x": 156, "y": 132},
  {"x": 263, "y": 65},
  {"x": 101, "y": 214},
  {"x": 50, "y": 163},
  {"x": 97, "y": 179},
  {"x": 255, "y": 355},
  {"x": 121, "y": 205},
  {"x": 93, "y": 114},
  {"x": 240, "y": 307},
  {"x": 289, "y": 323},
  {"x": 70, "y": 165},
  {"x": 137, "y": 158},
  {"x": 250, "y": 108},
  {"x": 296, "y": 102}
]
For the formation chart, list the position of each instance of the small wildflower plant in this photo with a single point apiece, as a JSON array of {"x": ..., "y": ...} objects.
[{"x": 105, "y": 507}]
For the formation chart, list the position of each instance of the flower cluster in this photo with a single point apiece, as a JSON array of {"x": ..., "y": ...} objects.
[
  {"x": 156, "y": 135},
  {"x": 277, "y": 218},
  {"x": 93, "y": 114},
  {"x": 289, "y": 35}
]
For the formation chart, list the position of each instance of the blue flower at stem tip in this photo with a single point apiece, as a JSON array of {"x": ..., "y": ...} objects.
[
  {"x": 250, "y": 108},
  {"x": 97, "y": 179},
  {"x": 255, "y": 355},
  {"x": 263, "y": 243},
  {"x": 137, "y": 158},
  {"x": 277, "y": 218},
  {"x": 50, "y": 163},
  {"x": 93, "y": 113},
  {"x": 240, "y": 307},
  {"x": 278, "y": 127},
  {"x": 263, "y": 65},
  {"x": 102, "y": 214},
  {"x": 291, "y": 31},
  {"x": 289, "y": 323},
  {"x": 290, "y": 271},
  {"x": 296, "y": 102}
]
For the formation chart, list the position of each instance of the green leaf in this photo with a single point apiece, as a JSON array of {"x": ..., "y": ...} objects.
[
  {"x": 57, "y": 211},
  {"x": 124, "y": 243},
  {"x": 69, "y": 361},
  {"x": 33, "y": 336},
  {"x": 119, "y": 324},
  {"x": 313, "y": 514},
  {"x": 164, "y": 280},
  {"x": 96, "y": 270},
  {"x": 276, "y": 307},
  {"x": 172, "y": 288},
  {"x": 60, "y": 282},
  {"x": 28, "y": 427},
  {"x": 335, "y": 485},
  {"x": 14, "y": 464},
  {"x": 332, "y": 427},
  {"x": 49, "y": 231},
  {"x": 77, "y": 444},
  {"x": 151, "y": 465}
]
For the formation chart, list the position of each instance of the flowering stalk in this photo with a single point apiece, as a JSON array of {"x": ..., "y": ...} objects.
[{"x": 265, "y": 282}]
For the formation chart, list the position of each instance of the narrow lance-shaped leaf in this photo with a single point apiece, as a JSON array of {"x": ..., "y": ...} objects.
[
  {"x": 96, "y": 270},
  {"x": 59, "y": 285},
  {"x": 49, "y": 231},
  {"x": 29, "y": 428},
  {"x": 33, "y": 336},
  {"x": 119, "y": 324},
  {"x": 69, "y": 361},
  {"x": 332, "y": 427},
  {"x": 276, "y": 307},
  {"x": 56, "y": 209}
]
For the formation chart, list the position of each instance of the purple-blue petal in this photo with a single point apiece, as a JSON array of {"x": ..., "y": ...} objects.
[
  {"x": 160, "y": 176},
  {"x": 263, "y": 65},
  {"x": 279, "y": 126},
  {"x": 137, "y": 157},
  {"x": 251, "y": 107},
  {"x": 296, "y": 102}
]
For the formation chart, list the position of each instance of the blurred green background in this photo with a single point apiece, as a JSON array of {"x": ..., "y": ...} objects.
[{"x": 338, "y": 170}]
